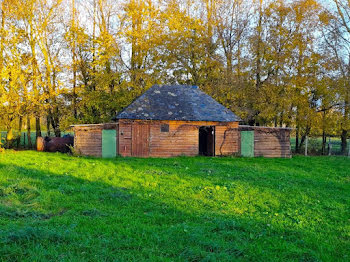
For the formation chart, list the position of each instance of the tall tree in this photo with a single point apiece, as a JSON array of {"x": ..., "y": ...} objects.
[{"x": 337, "y": 38}]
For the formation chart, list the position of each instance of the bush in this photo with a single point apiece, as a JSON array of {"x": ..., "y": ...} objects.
[{"x": 73, "y": 151}]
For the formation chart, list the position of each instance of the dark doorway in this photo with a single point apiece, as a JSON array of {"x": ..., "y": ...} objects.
[{"x": 207, "y": 141}]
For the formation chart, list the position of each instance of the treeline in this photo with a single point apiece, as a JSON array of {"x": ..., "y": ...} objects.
[{"x": 273, "y": 62}]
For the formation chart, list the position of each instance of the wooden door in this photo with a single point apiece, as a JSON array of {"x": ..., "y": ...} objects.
[{"x": 140, "y": 140}]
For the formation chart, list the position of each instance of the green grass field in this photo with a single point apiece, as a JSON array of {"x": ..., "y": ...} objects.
[{"x": 61, "y": 208}]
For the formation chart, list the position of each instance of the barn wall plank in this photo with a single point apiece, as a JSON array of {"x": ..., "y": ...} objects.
[
  {"x": 88, "y": 142},
  {"x": 88, "y": 138},
  {"x": 125, "y": 138},
  {"x": 272, "y": 143},
  {"x": 182, "y": 138}
]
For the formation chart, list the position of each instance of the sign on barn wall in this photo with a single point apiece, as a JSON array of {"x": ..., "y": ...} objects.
[
  {"x": 109, "y": 143},
  {"x": 247, "y": 143}
]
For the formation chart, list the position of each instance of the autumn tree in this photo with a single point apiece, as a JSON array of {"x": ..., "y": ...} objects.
[{"x": 336, "y": 34}]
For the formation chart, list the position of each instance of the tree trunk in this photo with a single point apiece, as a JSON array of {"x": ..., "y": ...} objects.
[
  {"x": 48, "y": 125},
  {"x": 324, "y": 142},
  {"x": 344, "y": 143},
  {"x": 344, "y": 133},
  {"x": 297, "y": 140},
  {"x": 304, "y": 136},
  {"x": 28, "y": 133},
  {"x": 75, "y": 113},
  {"x": 281, "y": 119},
  {"x": 20, "y": 123},
  {"x": 37, "y": 126},
  {"x": 324, "y": 137},
  {"x": 56, "y": 126},
  {"x": 55, "y": 122},
  {"x": 9, "y": 135},
  {"x": 57, "y": 132}
]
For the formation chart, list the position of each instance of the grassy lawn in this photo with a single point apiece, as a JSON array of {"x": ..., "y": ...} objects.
[{"x": 61, "y": 208}]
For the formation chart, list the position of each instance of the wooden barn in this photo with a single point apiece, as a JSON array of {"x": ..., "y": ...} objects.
[{"x": 178, "y": 120}]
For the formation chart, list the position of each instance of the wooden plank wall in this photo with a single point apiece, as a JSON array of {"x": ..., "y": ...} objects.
[
  {"x": 227, "y": 140},
  {"x": 182, "y": 138},
  {"x": 140, "y": 139},
  {"x": 270, "y": 142},
  {"x": 88, "y": 139},
  {"x": 88, "y": 142},
  {"x": 125, "y": 138}
]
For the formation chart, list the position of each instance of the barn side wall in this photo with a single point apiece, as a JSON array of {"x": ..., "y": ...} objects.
[
  {"x": 227, "y": 140},
  {"x": 182, "y": 138},
  {"x": 88, "y": 139},
  {"x": 270, "y": 142}
]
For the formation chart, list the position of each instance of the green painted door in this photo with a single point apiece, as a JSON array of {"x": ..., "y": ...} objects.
[
  {"x": 109, "y": 143},
  {"x": 247, "y": 143}
]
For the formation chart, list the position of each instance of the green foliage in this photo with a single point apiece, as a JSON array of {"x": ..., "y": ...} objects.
[
  {"x": 73, "y": 151},
  {"x": 178, "y": 209}
]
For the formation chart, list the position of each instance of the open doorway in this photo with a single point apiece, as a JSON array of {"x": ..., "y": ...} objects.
[{"x": 207, "y": 141}]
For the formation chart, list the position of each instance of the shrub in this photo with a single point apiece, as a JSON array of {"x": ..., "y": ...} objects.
[
  {"x": 73, "y": 151},
  {"x": 1, "y": 148}
]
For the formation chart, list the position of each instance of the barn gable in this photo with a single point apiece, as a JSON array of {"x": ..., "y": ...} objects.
[{"x": 177, "y": 102}]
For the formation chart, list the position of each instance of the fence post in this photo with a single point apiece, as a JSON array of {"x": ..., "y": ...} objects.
[
  {"x": 329, "y": 147},
  {"x": 306, "y": 144}
]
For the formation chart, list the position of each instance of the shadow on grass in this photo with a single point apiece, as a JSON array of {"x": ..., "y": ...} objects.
[{"x": 46, "y": 216}]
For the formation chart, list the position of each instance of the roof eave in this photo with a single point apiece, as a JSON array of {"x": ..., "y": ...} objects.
[{"x": 191, "y": 120}]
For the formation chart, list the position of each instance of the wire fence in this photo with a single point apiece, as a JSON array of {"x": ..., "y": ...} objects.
[
  {"x": 314, "y": 146},
  {"x": 22, "y": 141}
]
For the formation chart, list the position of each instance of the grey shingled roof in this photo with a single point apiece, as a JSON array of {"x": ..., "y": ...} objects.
[{"x": 177, "y": 102}]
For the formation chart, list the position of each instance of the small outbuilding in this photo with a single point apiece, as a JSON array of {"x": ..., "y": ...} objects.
[{"x": 178, "y": 120}]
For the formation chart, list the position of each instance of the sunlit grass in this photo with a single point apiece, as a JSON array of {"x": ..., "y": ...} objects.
[{"x": 57, "y": 207}]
